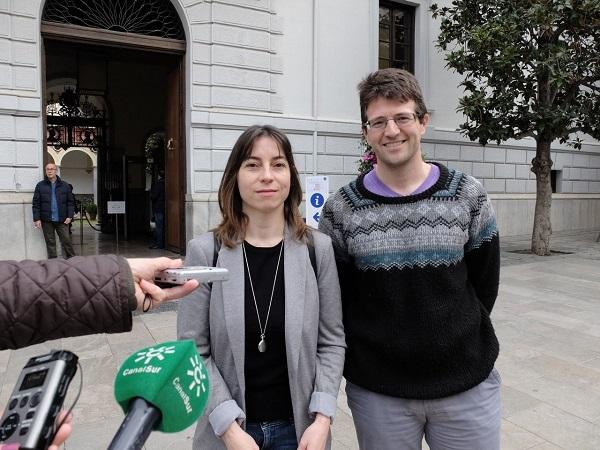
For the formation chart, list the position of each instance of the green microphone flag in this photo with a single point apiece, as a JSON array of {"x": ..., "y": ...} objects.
[{"x": 171, "y": 377}]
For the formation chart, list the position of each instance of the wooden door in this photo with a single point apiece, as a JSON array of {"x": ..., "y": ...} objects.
[
  {"x": 44, "y": 110},
  {"x": 174, "y": 162}
]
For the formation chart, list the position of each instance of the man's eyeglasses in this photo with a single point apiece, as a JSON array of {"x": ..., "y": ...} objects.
[{"x": 400, "y": 120}]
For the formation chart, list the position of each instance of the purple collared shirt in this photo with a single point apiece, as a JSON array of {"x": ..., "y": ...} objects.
[{"x": 376, "y": 186}]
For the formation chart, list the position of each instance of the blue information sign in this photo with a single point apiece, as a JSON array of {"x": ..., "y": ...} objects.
[
  {"x": 317, "y": 200},
  {"x": 317, "y": 189}
]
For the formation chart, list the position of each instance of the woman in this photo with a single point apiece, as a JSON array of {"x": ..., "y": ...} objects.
[{"x": 272, "y": 335}]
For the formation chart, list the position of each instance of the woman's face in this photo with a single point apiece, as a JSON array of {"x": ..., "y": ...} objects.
[{"x": 264, "y": 178}]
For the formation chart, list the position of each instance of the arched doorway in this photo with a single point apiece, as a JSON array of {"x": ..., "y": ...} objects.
[
  {"x": 78, "y": 166},
  {"x": 133, "y": 60}
]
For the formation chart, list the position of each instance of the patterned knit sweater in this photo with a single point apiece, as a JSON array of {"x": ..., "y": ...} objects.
[{"x": 419, "y": 278}]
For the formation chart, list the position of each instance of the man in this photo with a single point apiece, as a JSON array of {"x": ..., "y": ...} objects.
[
  {"x": 75, "y": 208},
  {"x": 157, "y": 195},
  {"x": 53, "y": 210},
  {"x": 418, "y": 256}
]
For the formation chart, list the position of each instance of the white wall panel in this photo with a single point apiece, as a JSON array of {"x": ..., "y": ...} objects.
[
  {"x": 296, "y": 42},
  {"x": 343, "y": 56}
]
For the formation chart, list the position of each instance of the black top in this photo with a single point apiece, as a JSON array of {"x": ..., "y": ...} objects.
[{"x": 267, "y": 384}]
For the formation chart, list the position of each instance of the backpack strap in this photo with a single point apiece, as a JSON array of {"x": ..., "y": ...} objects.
[
  {"x": 311, "y": 253},
  {"x": 216, "y": 250}
]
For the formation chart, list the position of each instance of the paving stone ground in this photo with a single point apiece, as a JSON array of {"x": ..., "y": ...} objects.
[{"x": 547, "y": 317}]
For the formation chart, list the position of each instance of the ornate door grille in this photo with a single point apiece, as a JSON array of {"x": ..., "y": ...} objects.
[{"x": 148, "y": 17}]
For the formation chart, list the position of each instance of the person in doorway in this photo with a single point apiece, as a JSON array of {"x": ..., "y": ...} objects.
[
  {"x": 157, "y": 196},
  {"x": 75, "y": 208},
  {"x": 53, "y": 209},
  {"x": 271, "y": 336},
  {"x": 418, "y": 255}
]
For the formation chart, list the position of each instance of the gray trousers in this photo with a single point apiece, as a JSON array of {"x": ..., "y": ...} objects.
[
  {"x": 466, "y": 421},
  {"x": 63, "y": 235}
]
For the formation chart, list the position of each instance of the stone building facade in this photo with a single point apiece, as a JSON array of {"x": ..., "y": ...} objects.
[{"x": 293, "y": 64}]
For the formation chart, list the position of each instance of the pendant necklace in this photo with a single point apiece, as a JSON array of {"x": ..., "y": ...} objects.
[{"x": 262, "y": 344}]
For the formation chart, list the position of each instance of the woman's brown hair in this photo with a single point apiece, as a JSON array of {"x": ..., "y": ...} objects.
[{"x": 232, "y": 228}]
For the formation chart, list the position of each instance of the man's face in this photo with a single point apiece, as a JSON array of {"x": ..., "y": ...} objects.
[
  {"x": 395, "y": 145},
  {"x": 51, "y": 172}
]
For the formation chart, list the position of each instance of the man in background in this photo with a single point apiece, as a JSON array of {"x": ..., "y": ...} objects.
[
  {"x": 157, "y": 195},
  {"x": 53, "y": 210}
]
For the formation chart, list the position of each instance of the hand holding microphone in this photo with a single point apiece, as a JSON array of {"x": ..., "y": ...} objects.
[{"x": 164, "y": 387}]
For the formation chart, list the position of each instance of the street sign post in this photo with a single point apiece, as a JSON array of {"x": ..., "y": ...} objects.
[
  {"x": 317, "y": 191},
  {"x": 116, "y": 208}
]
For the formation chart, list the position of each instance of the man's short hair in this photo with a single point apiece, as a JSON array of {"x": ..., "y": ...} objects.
[{"x": 391, "y": 84}]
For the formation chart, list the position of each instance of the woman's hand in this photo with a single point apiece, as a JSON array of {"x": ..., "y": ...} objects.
[
  {"x": 315, "y": 436},
  {"x": 237, "y": 439}
]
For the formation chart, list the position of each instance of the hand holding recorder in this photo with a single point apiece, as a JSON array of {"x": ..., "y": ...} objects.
[
  {"x": 62, "y": 434},
  {"x": 182, "y": 275},
  {"x": 29, "y": 420},
  {"x": 144, "y": 271}
]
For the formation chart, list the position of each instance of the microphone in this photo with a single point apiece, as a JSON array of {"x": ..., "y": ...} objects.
[{"x": 164, "y": 387}]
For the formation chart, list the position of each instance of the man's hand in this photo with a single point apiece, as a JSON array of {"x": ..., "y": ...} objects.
[
  {"x": 68, "y": 220},
  {"x": 37, "y": 224},
  {"x": 237, "y": 439},
  {"x": 143, "y": 270},
  {"x": 61, "y": 436},
  {"x": 315, "y": 436}
]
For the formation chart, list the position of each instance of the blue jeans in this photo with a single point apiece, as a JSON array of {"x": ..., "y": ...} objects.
[{"x": 274, "y": 435}]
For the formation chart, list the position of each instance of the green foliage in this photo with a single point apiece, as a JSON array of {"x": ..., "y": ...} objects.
[
  {"x": 530, "y": 67},
  {"x": 367, "y": 158},
  {"x": 91, "y": 209}
]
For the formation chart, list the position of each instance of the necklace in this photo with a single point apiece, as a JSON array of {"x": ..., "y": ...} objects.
[{"x": 262, "y": 344}]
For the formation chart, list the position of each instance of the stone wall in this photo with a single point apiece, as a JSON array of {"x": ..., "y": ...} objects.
[{"x": 284, "y": 63}]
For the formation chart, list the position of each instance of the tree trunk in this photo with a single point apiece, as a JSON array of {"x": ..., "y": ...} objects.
[{"x": 542, "y": 226}]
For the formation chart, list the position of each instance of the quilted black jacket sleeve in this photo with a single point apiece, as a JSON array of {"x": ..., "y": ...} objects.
[{"x": 41, "y": 300}]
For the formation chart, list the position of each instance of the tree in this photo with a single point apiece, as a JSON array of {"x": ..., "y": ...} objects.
[{"x": 530, "y": 68}]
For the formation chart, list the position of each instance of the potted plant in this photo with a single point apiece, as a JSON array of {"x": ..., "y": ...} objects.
[{"x": 92, "y": 210}]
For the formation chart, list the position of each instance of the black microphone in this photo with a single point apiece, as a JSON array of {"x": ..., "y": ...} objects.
[{"x": 164, "y": 387}]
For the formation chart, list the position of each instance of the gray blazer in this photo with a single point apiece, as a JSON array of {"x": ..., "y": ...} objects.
[{"x": 314, "y": 334}]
